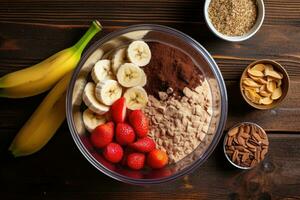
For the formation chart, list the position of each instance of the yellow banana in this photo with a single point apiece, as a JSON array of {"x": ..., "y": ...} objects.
[
  {"x": 44, "y": 122},
  {"x": 42, "y": 76}
]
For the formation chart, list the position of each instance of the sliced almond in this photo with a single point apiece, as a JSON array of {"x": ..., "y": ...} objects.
[
  {"x": 263, "y": 92},
  {"x": 268, "y": 67},
  {"x": 269, "y": 78},
  {"x": 263, "y": 153},
  {"x": 277, "y": 93},
  {"x": 249, "y": 82},
  {"x": 254, "y": 72},
  {"x": 271, "y": 86},
  {"x": 259, "y": 67},
  {"x": 266, "y": 101},
  {"x": 229, "y": 141},
  {"x": 233, "y": 131},
  {"x": 259, "y": 80},
  {"x": 274, "y": 74},
  {"x": 254, "y": 97},
  {"x": 279, "y": 82}
]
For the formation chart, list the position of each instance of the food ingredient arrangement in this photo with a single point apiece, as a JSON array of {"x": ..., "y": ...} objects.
[
  {"x": 115, "y": 93},
  {"x": 139, "y": 119}
]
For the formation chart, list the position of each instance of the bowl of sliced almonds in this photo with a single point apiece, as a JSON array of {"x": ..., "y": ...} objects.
[
  {"x": 246, "y": 145},
  {"x": 264, "y": 84}
]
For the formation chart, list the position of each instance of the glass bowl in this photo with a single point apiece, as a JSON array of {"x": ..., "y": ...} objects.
[{"x": 148, "y": 32}]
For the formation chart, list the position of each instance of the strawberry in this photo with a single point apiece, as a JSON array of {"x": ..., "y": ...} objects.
[
  {"x": 118, "y": 110},
  {"x": 113, "y": 152},
  {"x": 127, "y": 151},
  {"x": 139, "y": 122},
  {"x": 136, "y": 161},
  {"x": 124, "y": 134},
  {"x": 143, "y": 145},
  {"x": 103, "y": 135},
  {"x": 157, "y": 159}
]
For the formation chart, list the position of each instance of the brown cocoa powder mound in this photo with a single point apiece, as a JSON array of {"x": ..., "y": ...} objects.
[{"x": 170, "y": 67}]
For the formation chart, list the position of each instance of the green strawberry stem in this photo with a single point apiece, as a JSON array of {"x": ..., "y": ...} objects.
[{"x": 89, "y": 34}]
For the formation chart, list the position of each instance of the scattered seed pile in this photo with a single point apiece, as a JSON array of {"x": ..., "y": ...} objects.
[
  {"x": 179, "y": 124},
  {"x": 233, "y": 17},
  {"x": 246, "y": 145}
]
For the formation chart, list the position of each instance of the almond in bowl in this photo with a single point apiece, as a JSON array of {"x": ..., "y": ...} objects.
[
  {"x": 246, "y": 145},
  {"x": 264, "y": 84}
]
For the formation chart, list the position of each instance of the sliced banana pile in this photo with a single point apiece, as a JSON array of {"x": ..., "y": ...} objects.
[
  {"x": 262, "y": 84},
  {"x": 122, "y": 75}
]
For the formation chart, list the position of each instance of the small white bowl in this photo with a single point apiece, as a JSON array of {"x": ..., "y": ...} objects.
[{"x": 252, "y": 31}]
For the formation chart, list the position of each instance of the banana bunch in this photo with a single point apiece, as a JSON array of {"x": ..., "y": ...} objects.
[
  {"x": 42, "y": 76},
  {"x": 122, "y": 75},
  {"x": 50, "y": 114}
]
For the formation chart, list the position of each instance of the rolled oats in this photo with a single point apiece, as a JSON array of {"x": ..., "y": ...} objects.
[{"x": 179, "y": 124}]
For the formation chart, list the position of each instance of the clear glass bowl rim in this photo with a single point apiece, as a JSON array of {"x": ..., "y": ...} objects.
[{"x": 223, "y": 111}]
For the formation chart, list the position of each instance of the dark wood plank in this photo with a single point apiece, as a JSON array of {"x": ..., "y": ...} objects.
[
  {"x": 59, "y": 171},
  {"x": 134, "y": 11}
]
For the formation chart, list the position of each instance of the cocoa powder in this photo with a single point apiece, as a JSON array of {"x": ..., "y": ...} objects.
[{"x": 170, "y": 68}]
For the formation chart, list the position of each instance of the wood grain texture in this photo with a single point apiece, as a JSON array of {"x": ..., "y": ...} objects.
[{"x": 31, "y": 30}]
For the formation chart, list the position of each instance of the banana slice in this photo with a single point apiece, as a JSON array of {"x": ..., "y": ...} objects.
[
  {"x": 139, "y": 53},
  {"x": 78, "y": 121},
  {"x": 108, "y": 92},
  {"x": 136, "y": 98},
  {"x": 102, "y": 71},
  {"x": 129, "y": 75},
  {"x": 78, "y": 90},
  {"x": 90, "y": 100},
  {"x": 136, "y": 35},
  {"x": 143, "y": 79},
  {"x": 118, "y": 59},
  {"x": 91, "y": 120}
]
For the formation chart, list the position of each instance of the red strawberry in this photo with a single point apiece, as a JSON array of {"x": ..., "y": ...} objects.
[
  {"x": 136, "y": 161},
  {"x": 124, "y": 134},
  {"x": 139, "y": 122},
  {"x": 118, "y": 110},
  {"x": 143, "y": 145},
  {"x": 103, "y": 135},
  {"x": 113, "y": 152},
  {"x": 127, "y": 151},
  {"x": 157, "y": 159}
]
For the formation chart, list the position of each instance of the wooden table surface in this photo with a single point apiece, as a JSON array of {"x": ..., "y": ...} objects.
[{"x": 32, "y": 30}]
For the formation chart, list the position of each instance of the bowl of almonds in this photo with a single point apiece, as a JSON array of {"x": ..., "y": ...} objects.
[
  {"x": 245, "y": 145},
  {"x": 264, "y": 84}
]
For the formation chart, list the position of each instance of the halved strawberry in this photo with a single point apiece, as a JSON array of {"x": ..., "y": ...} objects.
[
  {"x": 103, "y": 135},
  {"x": 139, "y": 122},
  {"x": 143, "y": 145},
  {"x": 124, "y": 134},
  {"x": 118, "y": 110}
]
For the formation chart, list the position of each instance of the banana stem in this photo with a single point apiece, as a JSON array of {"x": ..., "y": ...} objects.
[{"x": 89, "y": 34}]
